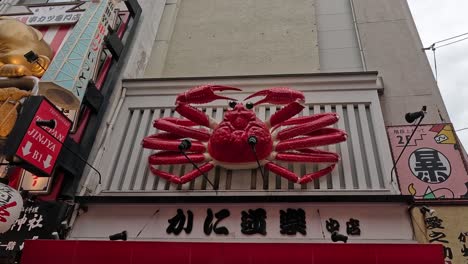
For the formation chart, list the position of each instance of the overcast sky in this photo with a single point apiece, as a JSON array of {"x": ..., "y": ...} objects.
[{"x": 437, "y": 20}]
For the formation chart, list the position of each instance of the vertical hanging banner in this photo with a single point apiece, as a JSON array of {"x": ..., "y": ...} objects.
[
  {"x": 432, "y": 166},
  {"x": 75, "y": 65}
]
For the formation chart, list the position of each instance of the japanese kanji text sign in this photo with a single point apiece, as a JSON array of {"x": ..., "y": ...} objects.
[
  {"x": 37, "y": 221},
  {"x": 445, "y": 225},
  {"x": 432, "y": 165},
  {"x": 247, "y": 222},
  {"x": 51, "y": 15},
  {"x": 41, "y": 146}
]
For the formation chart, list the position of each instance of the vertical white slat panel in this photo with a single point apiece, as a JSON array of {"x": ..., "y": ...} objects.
[
  {"x": 223, "y": 173},
  {"x": 359, "y": 163},
  {"x": 309, "y": 167},
  {"x": 323, "y": 179},
  {"x": 113, "y": 151},
  {"x": 297, "y": 165},
  {"x": 150, "y": 178},
  {"x": 383, "y": 147},
  {"x": 160, "y": 183},
  {"x": 177, "y": 169},
  {"x": 142, "y": 165},
  {"x": 212, "y": 174},
  {"x": 135, "y": 156},
  {"x": 272, "y": 176},
  {"x": 373, "y": 173},
  {"x": 260, "y": 180},
  {"x": 335, "y": 174},
  {"x": 127, "y": 147},
  {"x": 345, "y": 159},
  {"x": 199, "y": 181}
]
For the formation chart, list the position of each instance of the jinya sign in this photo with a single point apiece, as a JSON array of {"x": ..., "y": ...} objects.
[{"x": 432, "y": 165}]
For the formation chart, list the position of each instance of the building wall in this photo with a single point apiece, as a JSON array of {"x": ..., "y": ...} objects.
[
  {"x": 216, "y": 38},
  {"x": 219, "y": 38},
  {"x": 391, "y": 46}
]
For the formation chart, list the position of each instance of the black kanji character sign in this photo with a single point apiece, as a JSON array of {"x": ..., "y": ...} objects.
[
  {"x": 332, "y": 225},
  {"x": 448, "y": 253},
  {"x": 433, "y": 222},
  {"x": 437, "y": 236},
  {"x": 462, "y": 237},
  {"x": 208, "y": 227},
  {"x": 253, "y": 222},
  {"x": 429, "y": 165},
  {"x": 176, "y": 224},
  {"x": 464, "y": 250},
  {"x": 352, "y": 227},
  {"x": 292, "y": 221}
]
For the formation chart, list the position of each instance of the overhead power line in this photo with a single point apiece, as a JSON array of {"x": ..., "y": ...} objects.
[{"x": 433, "y": 48}]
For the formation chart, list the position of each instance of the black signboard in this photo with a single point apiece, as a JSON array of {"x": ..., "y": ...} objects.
[{"x": 38, "y": 220}]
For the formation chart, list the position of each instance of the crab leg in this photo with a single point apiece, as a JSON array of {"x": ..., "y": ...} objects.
[
  {"x": 170, "y": 144},
  {"x": 285, "y": 173},
  {"x": 165, "y": 135},
  {"x": 285, "y": 113},
  {"x": 186, "y": 177},
  {"x": 309, "y": 124},
  {"x": 168, "y": 157},
  {"x": 281, "y": 171},
  {"x": 311, "y": 155},
  {"x": 200, "y": 95},
  {"x": 196, "y": 115},
  {"x": 181, "y": 121},
  {"x": 323, "y": 136},
  {"x": 183, "y": 131},
  {"x": 281, "y": 95}
]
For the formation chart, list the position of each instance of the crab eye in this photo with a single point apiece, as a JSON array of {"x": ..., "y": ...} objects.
[
  {"x": 249, "y": 105},
  {"x": 232, "y": 104}
]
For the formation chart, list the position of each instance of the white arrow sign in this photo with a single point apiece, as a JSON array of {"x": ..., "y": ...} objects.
[
  {"x": 47, "y": 161},
  {"x": 26, "y": 149}
]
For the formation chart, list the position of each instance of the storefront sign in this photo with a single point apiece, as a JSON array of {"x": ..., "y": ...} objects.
[
  {"x": 249, "y": 222},
  {"x": 445, "y": 225},
  {"x": 432, "y": 165},
  {"x": 131, "y": 252},
  {"x": 37, "y": 221},
  {"x": 51, "y": 15},
  {"x": 75, "y": 64},
  {"x": 41, "y": 146},
  {"x": 35, "y": 184}
]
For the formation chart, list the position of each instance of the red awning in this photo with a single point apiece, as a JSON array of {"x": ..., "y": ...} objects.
[{"x": 120, "y": 252}]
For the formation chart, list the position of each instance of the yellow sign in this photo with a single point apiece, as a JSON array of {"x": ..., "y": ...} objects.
[{"x": 446, "y": 225}]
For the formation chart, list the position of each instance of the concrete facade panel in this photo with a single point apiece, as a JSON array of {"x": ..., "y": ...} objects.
[
  {"x": 340, "y": 60},
  {"x": 242, "y": 38}
]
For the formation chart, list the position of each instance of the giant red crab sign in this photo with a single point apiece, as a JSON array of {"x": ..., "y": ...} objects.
[{"x": 242, "y": 140}]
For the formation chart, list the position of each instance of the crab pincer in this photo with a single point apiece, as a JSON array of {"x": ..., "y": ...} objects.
[
  {"x": 278, "y": 95},
  {"x": 204, "y": 94}
]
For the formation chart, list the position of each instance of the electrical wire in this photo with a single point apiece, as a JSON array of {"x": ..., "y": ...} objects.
[
  {"x": 451, "y": 38},
  {"x": 453, "y": 42},
  {"x": 433, "y": 48}
]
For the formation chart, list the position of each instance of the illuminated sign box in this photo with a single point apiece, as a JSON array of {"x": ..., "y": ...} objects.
[{"x": 38, "y": 147}]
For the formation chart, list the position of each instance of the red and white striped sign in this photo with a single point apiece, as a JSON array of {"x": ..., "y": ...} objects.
[{"x": 55, "y": 35}]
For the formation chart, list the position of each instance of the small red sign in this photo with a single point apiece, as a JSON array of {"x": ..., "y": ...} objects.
[{"x": 40, "y": 148}]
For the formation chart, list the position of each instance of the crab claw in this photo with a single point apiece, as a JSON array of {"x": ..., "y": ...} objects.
[
  {"x": 204, "y": 94},
  {"x": 278, "y": 95}
]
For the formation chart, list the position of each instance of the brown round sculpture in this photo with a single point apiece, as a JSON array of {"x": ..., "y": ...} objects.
[{"x": 17, "y": 39}]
